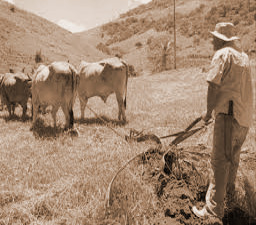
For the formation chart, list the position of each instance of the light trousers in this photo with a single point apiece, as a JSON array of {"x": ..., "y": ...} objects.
[{"x": 228, "y": 139}]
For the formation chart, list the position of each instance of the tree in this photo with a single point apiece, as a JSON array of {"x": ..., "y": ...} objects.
[{"x": 158, "y": 52}]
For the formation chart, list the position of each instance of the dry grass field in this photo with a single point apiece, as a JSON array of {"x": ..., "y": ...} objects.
[{"x": 51, "y": 177}]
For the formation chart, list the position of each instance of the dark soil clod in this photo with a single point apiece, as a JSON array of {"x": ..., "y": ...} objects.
[
  {"x": 237, "y": 216},
  {"x": 182, "y": 183},
  {"x": 185, "y": 214},
  {"x": 170, "y": 213}
]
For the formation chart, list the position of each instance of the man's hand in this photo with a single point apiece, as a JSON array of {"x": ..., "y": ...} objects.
[{"x": 206, "y": 117}]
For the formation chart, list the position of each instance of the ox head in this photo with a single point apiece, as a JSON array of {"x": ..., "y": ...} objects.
[
  {"x": 107, "y": 69},
  {"x": 107, "y": 66},
  {"x": 28, "y": 82}
]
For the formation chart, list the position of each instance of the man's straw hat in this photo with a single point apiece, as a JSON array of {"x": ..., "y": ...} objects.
[{"x": 225, "y": 31}]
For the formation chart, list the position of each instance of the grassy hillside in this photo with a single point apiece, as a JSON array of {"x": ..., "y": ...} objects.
[
  {"x": 131, "y": 34},
  {"x": 23, "y": 34},
  {"x": 138, "y": 35}
]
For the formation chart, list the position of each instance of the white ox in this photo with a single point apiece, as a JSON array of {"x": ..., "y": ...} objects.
[
  {"x": 55, "y": 85},
  {"x": 102, "y": 79}
]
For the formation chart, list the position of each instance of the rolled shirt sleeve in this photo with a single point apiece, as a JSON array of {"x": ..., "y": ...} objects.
[{"x": 217, "y": 69}]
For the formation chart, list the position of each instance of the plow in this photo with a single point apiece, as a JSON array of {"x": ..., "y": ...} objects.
[
  {"x": 160, "y": 185},
  {"x": 140, "y": 187}
]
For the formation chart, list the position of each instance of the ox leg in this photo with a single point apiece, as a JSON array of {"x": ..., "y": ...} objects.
[
  {"x": 71, "y": 115},
  {"x": 1, "y": 103},
  {"x": 121, "y": 113},
  {"x": 83, "y": 103},
  {"x": 24, "y": 110},
  {"x": 13, "y": 109},
  {"x": 35, "y": 108},
  {"x": 54, "y": 112},
  {"x": 68, "y": 112},
  {"x": 9, "y": 107},
  {"x": 71, "y": 118}
]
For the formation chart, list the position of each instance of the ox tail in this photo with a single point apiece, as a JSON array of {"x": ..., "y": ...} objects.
[
  {"x": 73, "y": 81},
  {"x": 71, "y": 115},
  {"x": 126, "y": 82}
]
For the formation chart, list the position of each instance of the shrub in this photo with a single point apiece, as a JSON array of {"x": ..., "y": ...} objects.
[
  {"x": 102, "y": 47},
  {"x": 38, "y": 57},
  {"x": 117, "y": 51},
  {"x": 12, "y": 8},
  {"x": 11, "y": 70},
  {"x": 132, "y": 72},
  {"x": 196, "y": 40},
  {"x": 149, "y": 40},
  {"x": 202, "y": 6},
  {"x": 236, "y": 21},
  {"x": 249, "y": 21},
  {"x": 213, "y": 10},
  {"x": 138, "y": 44}
]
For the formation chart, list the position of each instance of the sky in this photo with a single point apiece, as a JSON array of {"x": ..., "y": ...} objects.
[{"x": 78, "y": 15}]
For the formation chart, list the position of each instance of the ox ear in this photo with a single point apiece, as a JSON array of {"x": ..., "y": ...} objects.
[
  {"x": 102, "y": 63},
  {"x": 107, "y": 66},
  {"x": 29, "y": 77},
  {"x": 29, "y": 82}
]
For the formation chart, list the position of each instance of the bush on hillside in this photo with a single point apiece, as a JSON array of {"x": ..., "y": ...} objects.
[
  {"x": 165, "y": 23},
  {"x": 126, "y": 28},
  {"x": 162, "y": 4},
  {"x": 117, "y": 51},
  {"x": 138, "y": 44},
  {"x": 132, "y": 72},
  {"x": 130, "y": 26},
  {"x": 196, "y": 41},
  {"x": 38, "y": 57},
  {"x": 102, "y": 47},
  {"x": 12, "y": 8},
  {"x": 198, "y": 22},
  {"x": 238, "y": 12}
]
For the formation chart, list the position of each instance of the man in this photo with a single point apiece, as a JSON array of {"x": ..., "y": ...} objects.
[{"x": 230, "y": 96}]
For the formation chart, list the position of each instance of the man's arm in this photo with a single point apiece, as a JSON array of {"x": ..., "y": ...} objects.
[{"x": 211, "y": 100}]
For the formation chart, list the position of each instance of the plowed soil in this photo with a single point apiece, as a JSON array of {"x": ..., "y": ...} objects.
[{"x": 149, "y": 191}]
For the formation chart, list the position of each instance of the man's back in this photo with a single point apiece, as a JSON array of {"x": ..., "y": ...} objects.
[{"x": 231, "y": 72}]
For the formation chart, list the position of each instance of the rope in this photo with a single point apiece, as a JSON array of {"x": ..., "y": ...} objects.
[
  {"x": 138, "y": 135},
  {"x": 120, "y": 170},
  {"x": 106, "y": 123}
]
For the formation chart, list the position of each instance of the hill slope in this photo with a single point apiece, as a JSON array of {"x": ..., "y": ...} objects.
[
  {"x": 131, "y": 35},
  {"x": 23, "y": 34}
]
